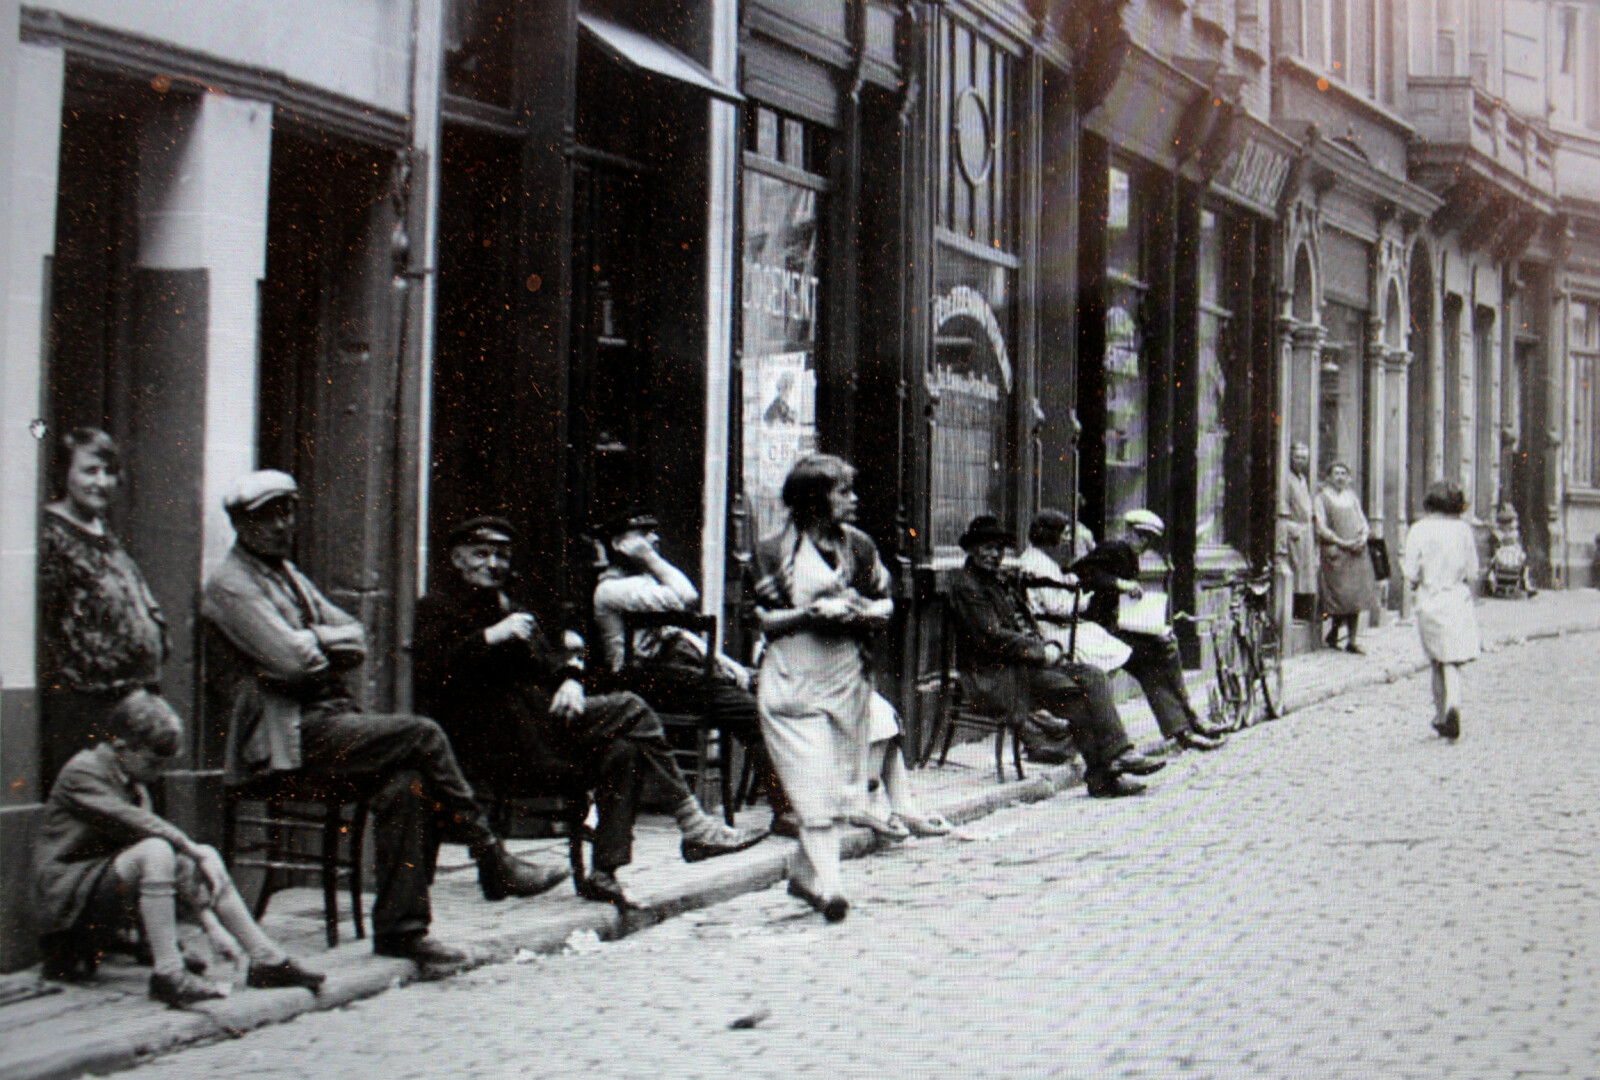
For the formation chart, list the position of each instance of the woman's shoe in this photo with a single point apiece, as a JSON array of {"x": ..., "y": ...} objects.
[
  {"x": 889, "y": 829},
  {"x": 924, "y": 824},
  {"x": 1451, "y": 728},
  {"x": 286, "y": 973},
  {"x": 800, "y": 892},
  {"x": 1352, "y": 647},
  {"x": 835, "y": 908}
]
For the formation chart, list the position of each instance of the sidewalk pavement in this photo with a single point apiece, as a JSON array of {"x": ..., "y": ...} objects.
[{"x": 55, "y": 1031}]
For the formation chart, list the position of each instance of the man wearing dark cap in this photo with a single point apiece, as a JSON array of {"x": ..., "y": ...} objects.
[
  {"x": 520, "y": 707},
  {"x": 1009, "y": 668},
  {"x": 669, "y": 662},
  {"x": 277, "y": 651},
  {"x": 1112, "y": 572}
]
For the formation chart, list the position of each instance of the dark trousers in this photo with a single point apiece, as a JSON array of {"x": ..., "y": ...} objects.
[
  {"x": 1080, "y": 694},
  {"x": 418, "y": 797},
  {"x": 1157, "y": 667},
  {"x": 720, "y": 705},
  {"x": 523, "y": 750}
]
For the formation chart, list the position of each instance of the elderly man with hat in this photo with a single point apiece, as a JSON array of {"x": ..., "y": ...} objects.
[
  {"x": 669, "y": 662},
  {"x": 1112, "y": 572},
  {"x": 521, "y": 707},
  {"x": 1009, "y": 668},
  {"x": 277, "y": 652}
]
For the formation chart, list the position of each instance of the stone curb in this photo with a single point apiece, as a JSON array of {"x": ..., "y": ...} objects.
[
  {"x": 232, "y": 1017},
  {"x": 748, "y": 873}
]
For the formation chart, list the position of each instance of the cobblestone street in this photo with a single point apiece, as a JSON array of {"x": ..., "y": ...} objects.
[{"x": 1341, "y": 894}]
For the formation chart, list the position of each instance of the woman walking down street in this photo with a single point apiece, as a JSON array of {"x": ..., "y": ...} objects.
[
  {"x": 820, "y": 592},
  {"x": 101, "y": 631},
  {"x": 1441, "y": 563},
  {"x": 1342, "y": 531}
]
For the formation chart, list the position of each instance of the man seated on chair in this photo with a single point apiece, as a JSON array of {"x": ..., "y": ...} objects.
[
  {"x": 521, "y": 708},
  {"x": 669, "y": 662},
  {"x": 1009, "y": 668},
  {"x": 277, "y": 674},
  {"x": 105, "y": 862},
  {"x": 1111, "y": 571}
]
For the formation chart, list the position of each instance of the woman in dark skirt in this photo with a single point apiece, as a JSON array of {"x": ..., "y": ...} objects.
[
  {"x": 1347, "y": 580},
  {"x": 101, "y": 632}
]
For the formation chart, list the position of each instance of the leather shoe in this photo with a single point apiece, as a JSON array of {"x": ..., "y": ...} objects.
[
  {"x": 1206, "y": 729},
  {"x": 285, "y": 973},
  {"x": 726, "y": 843},
  {"x": 1047, "y": 754},
  {"x": 1451, "y": 727},
  {"x": 602, "y": 886},
  {"x": 1135, "y": 763},
  {"x": 502, "y": 874},
  {"x": 1112, "y": 787},
  {"x": 419, "y": 948},
  {"x": 182, "y": 990},
  {"x": 1190, "y": 739}
]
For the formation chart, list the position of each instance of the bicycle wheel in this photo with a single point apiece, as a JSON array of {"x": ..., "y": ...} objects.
[
  {"x": 1228, "y": 703},
  {"x": 1248, "y": 668},
  {"x": 1269, "y": 652}
]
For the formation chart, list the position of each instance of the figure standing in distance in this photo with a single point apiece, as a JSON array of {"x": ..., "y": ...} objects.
[
  {"x": 1298, "y": 542},
  {"x": 820, "y": 592},
  {"x": 1440, "y": 563},
  {"x": 101, "y": 631},
  {"x": 1347, "y": 580}
]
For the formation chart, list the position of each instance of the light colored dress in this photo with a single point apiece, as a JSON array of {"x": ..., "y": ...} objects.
[
  {"x": 1441, "y": 562},
  {"x": 1347, "y": 581},
  {"x": 1093, "y": 644},
  {"x": 815, "y": 694}
]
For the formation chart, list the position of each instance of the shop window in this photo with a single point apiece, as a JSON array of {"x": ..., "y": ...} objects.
[
  {"x": 478, "y": 38},
  {"x": 1222, "y": 385},
  {"x": 971, "y": 379},
  {"x": 1341, "y": 423},
  {"x": 782, "y": 286},
  {"x": 1126, "y": 392},
  {"x": 1584, "y": 346}
]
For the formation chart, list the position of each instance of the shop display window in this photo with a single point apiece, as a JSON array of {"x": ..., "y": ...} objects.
[
  {"x": 1126, "y": 386},
  {"x": 1584, "y": 346}
]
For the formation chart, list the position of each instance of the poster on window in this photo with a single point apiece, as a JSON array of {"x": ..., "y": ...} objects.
[{"x": 780, "y": 334}]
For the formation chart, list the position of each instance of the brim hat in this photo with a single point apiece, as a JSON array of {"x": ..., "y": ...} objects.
[
  {"x": 485, "y": 529},
  {"x": 255, "y": 490},
  {"x": 986, "y": 529},
  {"x": 1146, "y": 522},
  {"x": 632, "y": 520}
]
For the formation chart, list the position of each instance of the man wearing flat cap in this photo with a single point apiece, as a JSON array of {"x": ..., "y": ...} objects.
[
  {"x": 1112, "y": 572},
  {"x": 668, "y": 669},
  {"x": 1009, "y": 668},
  {"x": 520, "y": 710},
  {"x": 277, "y": 651}
]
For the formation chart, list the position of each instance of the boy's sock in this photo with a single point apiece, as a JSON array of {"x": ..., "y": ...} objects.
[{"x": 157, "y": 901}]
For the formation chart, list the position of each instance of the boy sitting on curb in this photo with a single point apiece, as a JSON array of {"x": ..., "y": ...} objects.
[{"x": 105, "y": 861}]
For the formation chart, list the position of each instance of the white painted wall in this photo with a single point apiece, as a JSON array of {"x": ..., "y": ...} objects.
[
  {"x": 28, "y": 233},
  {"x": 356, "y": 48}
]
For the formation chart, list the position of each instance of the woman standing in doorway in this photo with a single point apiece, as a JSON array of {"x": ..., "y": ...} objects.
[
  {"x": 1441, "y": 563},
  {"x": 820, "y": 592},
  {"x": 1342, "y": 531},
  {"x": 101, "y": 631}
]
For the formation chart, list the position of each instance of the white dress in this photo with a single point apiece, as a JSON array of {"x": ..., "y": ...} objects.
[{"x": 1441, "y": 563}]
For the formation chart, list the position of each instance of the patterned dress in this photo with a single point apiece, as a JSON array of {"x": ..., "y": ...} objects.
[{"x": 101, "y": 633}]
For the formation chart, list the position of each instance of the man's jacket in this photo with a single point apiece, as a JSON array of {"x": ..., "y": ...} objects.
[
  {"x": 274, "y": 650},
  {"x": 996, "y": 640}
]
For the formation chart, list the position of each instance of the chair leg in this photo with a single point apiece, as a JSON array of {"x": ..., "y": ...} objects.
[
  {"x": 947, "y": 722},
  {"x": 1000, "y": 752},
  {"x": 274, "y": 853},
  {"x": 725, "y": 775},
  {"x": 1016, "y": 752},
  {"x": 358, "y": 835},
  {"x": 333, "y": 817}
]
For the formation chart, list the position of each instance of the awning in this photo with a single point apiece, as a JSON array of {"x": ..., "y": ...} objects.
[{"x": 641, "y": 51}]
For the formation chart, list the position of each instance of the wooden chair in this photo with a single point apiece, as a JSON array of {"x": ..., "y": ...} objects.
[
  {"x": 951, "y": 712},
  {"x": 332, "y": 813},
  {"x": 697, "y": 753}
]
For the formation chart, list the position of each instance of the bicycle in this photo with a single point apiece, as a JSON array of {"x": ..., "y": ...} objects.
[{"x": 1247, "y": 651}]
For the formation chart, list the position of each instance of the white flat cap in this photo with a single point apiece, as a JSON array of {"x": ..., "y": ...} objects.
[
  {"x": 1145, "y": 521},
  {"x": 255, "y": 490}
]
